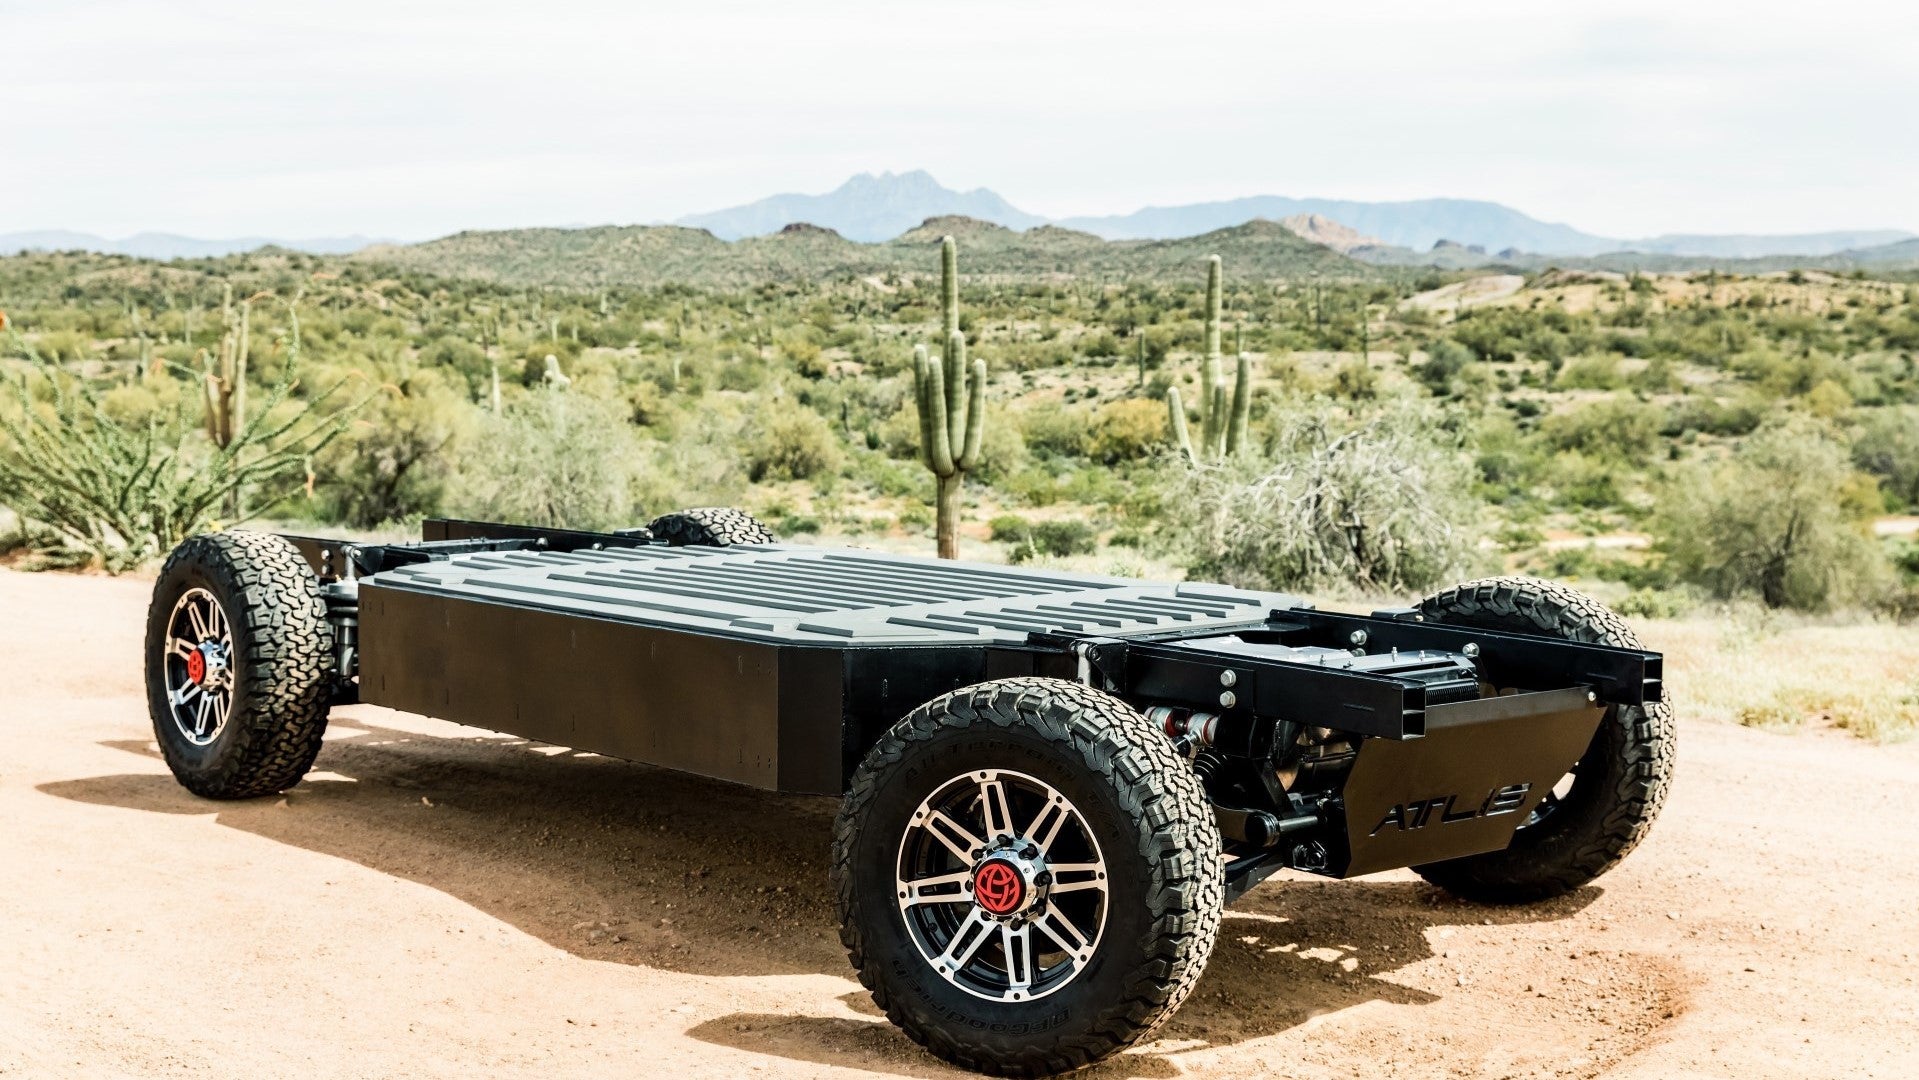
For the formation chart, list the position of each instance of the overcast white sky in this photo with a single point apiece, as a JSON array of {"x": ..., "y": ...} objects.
[{"x": 408, "y": 120}]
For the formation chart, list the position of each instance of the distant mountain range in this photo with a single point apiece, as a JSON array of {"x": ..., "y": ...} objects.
[
  {"x": 652, "y": 255},
  {"x": 867, "y": 209},
  {"x": 152, "y": 245},
  {"x": 874, "y": 208}
]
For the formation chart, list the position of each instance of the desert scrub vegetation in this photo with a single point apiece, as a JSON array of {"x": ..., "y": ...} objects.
[
  {"x": 124, "y": 468},
  {"x": 1622, "y": 430},
  {"x": 1785, "y": 518},
  {"x": 1372, "y": 497}
]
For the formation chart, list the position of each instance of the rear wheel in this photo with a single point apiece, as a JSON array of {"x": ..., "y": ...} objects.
[
  {"x": 238, "y": 664},
  {"x": 710, "y": 526},
  {"x": 1028, "y": 876},
  {"x": 1602, "y": 808}
]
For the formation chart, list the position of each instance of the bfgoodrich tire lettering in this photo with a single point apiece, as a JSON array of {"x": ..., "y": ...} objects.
[
  {"x": 280, "y": 664},
  {"x": 1620, "y": 783},
  {"x": 1160, "y": 852}
]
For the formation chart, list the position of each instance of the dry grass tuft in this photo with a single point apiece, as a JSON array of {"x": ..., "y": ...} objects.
[{"x": 1768, "y": 671}]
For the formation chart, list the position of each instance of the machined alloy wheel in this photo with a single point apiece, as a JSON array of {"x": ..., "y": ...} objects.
[
  {"x": 239, "y": 664},
  {"x": 1028, "y": 875},
  {"x": 1001, "y": 885},
  {"x": 199, "y": 667}
]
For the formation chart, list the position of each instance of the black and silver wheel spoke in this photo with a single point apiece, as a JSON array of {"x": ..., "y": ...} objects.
[
  {"x": 1003, "y": 910},
  {"x": 1554, "y": 796},
  {"x": 198, "y": 661},
  {"x": 1054, "y": 924}
]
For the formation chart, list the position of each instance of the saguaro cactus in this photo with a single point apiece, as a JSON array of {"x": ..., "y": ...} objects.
[
  {"x": 1222, "y": 418},
  {"x": 226, "y": 385},
  {"x": 952, "y": 408}
]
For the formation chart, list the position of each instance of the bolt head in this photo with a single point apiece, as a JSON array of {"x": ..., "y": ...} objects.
[
  {"x": 1471, "y": 650},
  {"x": 1229, "y": 677},
  {"x": 1227, "y": 699},
  {"x": 1358, "y": 637}
]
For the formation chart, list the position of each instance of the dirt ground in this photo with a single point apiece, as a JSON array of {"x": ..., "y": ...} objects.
[{"x": 435, "y": 901}]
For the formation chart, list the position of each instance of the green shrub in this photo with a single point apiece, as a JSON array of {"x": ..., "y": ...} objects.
[
  {"x": 1127, "y": 430},
  {"x": 788, "y": 441},
  {"x": 1786, "y": 518},
  {"x": 1887, "y": 446},
  {"x": 1653, "y": 604},
  {"x": 1060, "y": 430},
  {"x": 1709, "y": 416},
  {"x": 1446, "y": 359},
  {"x": 1577, "y": 479},
  {"x": 1056, "y": 537},
  {"x": 397, "y": 456},
  {"x": 552, "y": 458},
  {"x": 1007, "y": 528},
  {"x": 1355, "y": 380},
  {"x": 1906, "y": 557},
  {"x": 1615, "y": 429},
  {"x": 1590, "y": 373}
]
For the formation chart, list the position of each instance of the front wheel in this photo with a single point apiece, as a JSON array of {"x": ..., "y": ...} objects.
[
  {"x": 239, "y": 664},
  {"x": 1601, "y": 809},
  {"x": 1028, "y": 876}
]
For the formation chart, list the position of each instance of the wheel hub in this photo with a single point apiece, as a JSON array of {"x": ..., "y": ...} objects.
[
  {"x": 205, "y": 663},
  {"x": 1009, "y": 883},
  {"x": 1001, "y": 885}
]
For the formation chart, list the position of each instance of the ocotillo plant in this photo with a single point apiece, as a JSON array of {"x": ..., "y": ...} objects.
[
  {"x": 952, "y": 413},
  {"x": 1222, "y": 420}
]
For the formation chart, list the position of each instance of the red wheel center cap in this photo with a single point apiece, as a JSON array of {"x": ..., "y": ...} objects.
[
  {"x": 998, "y": 887},
  {"x": 197, "y": 666}
]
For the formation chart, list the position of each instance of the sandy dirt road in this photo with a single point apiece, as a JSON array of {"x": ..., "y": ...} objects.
[{"x": 436, "y": 902}]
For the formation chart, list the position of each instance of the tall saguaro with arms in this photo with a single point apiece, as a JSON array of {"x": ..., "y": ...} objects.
[
  {"x": 952, "y": 411},
  {"x": 1222, "y": 418}
]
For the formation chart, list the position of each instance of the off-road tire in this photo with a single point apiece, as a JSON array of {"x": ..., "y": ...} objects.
[
  {"x": 1623, "y": 776},
  {"x": 1162, "y": 857},
  {"x": 282, "y": 664},
  {"x": 710, "y": 526}
]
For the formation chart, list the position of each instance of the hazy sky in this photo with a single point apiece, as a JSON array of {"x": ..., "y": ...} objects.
[{"x": 408, "y": 120}]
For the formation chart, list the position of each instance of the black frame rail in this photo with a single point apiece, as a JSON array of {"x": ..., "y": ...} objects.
[
  {"x": 1372, "y": 675},
  {"x": 1620, "y": 676}
]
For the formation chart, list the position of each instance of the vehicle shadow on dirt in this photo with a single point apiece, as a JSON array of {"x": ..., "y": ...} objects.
[{"x": 625, "y": 863}]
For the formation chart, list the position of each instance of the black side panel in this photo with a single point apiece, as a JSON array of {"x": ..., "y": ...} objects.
[
  {"x": 883, "y": 685},
  {"x": 693, "y": 702},
  {"x": 1481, "y": 769},
  {"x": 813, "y": 695}
]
